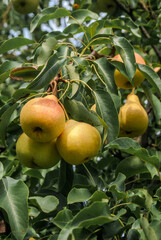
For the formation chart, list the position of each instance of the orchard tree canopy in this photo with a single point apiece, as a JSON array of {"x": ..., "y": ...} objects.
[{"x": 101, "y": 59}]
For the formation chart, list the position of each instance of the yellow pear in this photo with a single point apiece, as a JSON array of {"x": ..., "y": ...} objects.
[
  {"x": 133, "y": 118},
  {"x": 93, "y": 108},
  {"x": 123, "y": 82},
  {"x": 79, "y": 142},
  {"x": 52, "y": 97},
  {"x": 42, "y": 119},
  {"x": 34, "y": 154},
  {"x": 25, "y": 6}
]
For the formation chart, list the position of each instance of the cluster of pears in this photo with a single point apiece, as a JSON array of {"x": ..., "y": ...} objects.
[
  {"x": 133, "y": 118},
  {"x": 47, "y": 136},
  {"x": 25, "y": 6}
]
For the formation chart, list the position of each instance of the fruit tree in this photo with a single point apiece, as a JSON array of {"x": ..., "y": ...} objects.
[{"x": 80, "y": 119}]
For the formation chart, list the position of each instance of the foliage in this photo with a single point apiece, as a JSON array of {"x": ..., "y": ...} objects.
[{"x": 117, "y": 194}]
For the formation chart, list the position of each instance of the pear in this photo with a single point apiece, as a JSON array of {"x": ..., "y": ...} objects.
[
  {"x": 34, "y": 154},
  {"x": 108, "y": 6},
  {"x": 42, "y": 119},
  {"x": 93, "y": 108},
  {"x": 133, "y": 118},
  {"x": 122, "y": 81},
  {"x": 25, "y": 6},
  {"x": 52, "y": 97},
  {"x": 79, "y": 142}
]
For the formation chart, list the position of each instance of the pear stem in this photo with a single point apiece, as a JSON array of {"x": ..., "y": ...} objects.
[
  {"x": 92, "y": 179},
  {"x": 63, "y": 110},
  {"x": 77, "y": 80},
  {"x": 133, "y": 91}
]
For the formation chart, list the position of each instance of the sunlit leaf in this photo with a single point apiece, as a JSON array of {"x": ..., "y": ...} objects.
[{"x": 47, "y": 203}]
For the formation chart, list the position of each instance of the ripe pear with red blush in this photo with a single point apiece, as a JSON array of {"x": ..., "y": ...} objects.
[
  {"x": 34, "y": 154},
  {"x": 79, "y": 142},
  {"x": 42, "y": 119},
  {"x": 122, "y": 81}
]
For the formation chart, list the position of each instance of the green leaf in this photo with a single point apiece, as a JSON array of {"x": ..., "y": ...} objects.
[
  {"x": 73, "y": 28},
  {"x": 96, "y": 213},
  {"x": 6, "y": 68},
  {"x": 20, "y": 93},
  {"x": 25, "y": 73},
  {"x": 57, "y": 35},
  {"x": 13, "y": 199},
  {"x": 92, "y": 29},
  {"x": 101, "y": 39},
  {"x": 124, "y": 23},
  {"x": 98, "y": 196},
  {"x": 14, "y": 43},
  {"x": 5, "y": 121},
  {"x": 133, "y": 234},
  {"x": 148, "y": 231},
  {"x": 106, "y": 72},
  {"x": 73, "y": 75},
  {"x": 125, "y": 49},
  {"x": 131, "y": 146},
  {"x": 154, "y": 101},
  {"x": 151, "y": 76},
  {"x": 47, "y": 203},
  {"x": 105, "y": 107},
  {"x": 1, "y": 170},
  {"x": 140, "y": 197},
  {"x": 46, "y": 49},
  {"x": 62, "y": 218},
  {"x": 78, "y": 195},
  {"x": 131, "y": 166},
  {"x": 156, "y": 226},
  {"x": 118, "y": 187},
  {"x": 49, "y": 71},
  {"x": 111, "y": 229},
  {"x": 65, "y": 177},
  {"x": 48, "y": 14},
  {"x": 35, "y": 173},
  {"x": 80, "y": 113},
  {"x": 82, "y": 15}
]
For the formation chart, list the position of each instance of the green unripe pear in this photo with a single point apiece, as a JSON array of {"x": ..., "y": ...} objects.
[
  {"x": 25, "y": 6},
  {"x": 133, "y": 118},
  {"x": 34, "y": 154},
  {"x": 108, "y": 6},
  {"x": 79, "y": 142},
  {"x": 42, "y": 119}
]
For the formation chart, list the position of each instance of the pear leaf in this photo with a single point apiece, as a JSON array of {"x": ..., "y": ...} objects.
[
  {"x": 13, "y": 199},
  {"x": 14, "y": 43}
]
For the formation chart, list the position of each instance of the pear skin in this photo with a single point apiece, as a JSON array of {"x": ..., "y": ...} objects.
[
  {"x": 52, "y": 97},
  {"x": 42, "y": 119},
  {"x": 133, "y": 118},
  {"x": 34, "y": 154},
  {"x": 123, "y": 82},
  {"x": 25, "y": 6},
  {"x": 79, "y": 142},
  {"x": 93, "y": 108}
]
